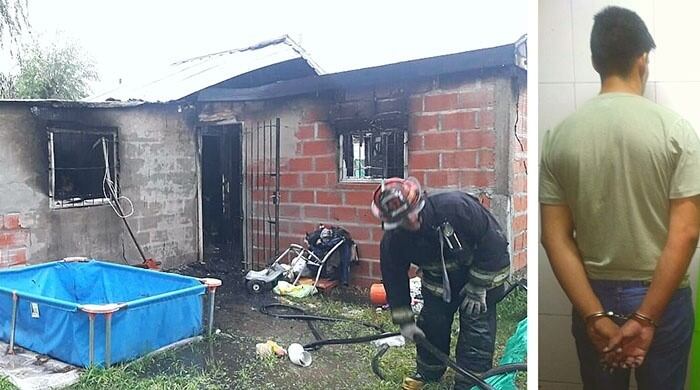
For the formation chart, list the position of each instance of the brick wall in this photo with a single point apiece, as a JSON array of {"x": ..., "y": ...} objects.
[
  {"x": 460, "y": 136},
  {"x": 452, "y": 141},
  {"x": 311, "y": 194},
  {"x": 14, "y": 239},
  {"x": 451, "y": 145}
]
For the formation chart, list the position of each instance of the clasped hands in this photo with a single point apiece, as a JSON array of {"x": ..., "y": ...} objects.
[{"x": 623, "y": 345}]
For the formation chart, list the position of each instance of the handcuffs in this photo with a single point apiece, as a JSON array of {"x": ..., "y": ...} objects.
[{"x": 609, "y": 314}]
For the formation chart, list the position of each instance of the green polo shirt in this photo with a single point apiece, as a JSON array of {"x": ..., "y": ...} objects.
[{"x": 616, "y": 162}]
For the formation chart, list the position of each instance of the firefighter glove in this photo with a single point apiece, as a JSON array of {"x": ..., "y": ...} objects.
[
  {"x": 411, "y": 330},
  {"x": 473, "y": 299}
]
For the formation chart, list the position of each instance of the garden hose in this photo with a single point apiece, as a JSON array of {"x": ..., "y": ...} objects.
[
  {"x": 354, "y": 340},
  {"x": 300, "y": 314},
  {"x": 320, "y": 340},
  {"x": 444, "y": 358},
  {"x": 500, "y": 370},
  {"x": 375, "y": 361},
  {"x": 477, "y": 379}
]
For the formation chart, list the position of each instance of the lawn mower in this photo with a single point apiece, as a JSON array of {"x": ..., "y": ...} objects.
[
  {"x": 292, "y": 261},
  {"x": 265, "y": 280}
]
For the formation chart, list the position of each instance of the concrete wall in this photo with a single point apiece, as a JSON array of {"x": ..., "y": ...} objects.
[
  {"x": 566, "y": 81},
  {"x": 158, "y": 173},
  {"x": 519, "y": 179},
  {"x": 460, "y": 136}
]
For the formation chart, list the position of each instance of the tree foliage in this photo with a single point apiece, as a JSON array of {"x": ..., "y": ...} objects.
[
  {"x": 7, "y": 86},
  {"x": 13, "y": 22},
  {"x": 53, "y": 72}
]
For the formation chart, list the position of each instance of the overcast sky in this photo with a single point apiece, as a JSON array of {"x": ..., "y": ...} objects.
[{"x": 129, "y": 39}]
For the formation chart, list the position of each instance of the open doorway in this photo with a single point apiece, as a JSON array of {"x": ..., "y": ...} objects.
[{"x": 221, "y": 209}]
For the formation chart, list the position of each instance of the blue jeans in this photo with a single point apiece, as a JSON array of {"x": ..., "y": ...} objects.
[{"x": 666, "y": 363}]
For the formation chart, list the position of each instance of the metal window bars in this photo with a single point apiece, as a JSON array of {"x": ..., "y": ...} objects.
[{"x": 261, "y": 175}]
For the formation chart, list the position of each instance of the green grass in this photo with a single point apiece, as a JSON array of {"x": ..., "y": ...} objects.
[
  {"x": 162, "y": 371},
  {"x": 5, "y": 384},
  {"x": 169, "y": 374},
  {"x": 333, "y": 366},
  {"x": 356, "y": 359},
  {"x": 400, "y": 362}
]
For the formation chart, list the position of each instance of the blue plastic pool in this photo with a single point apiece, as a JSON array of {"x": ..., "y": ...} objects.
[{"x": 155, "y": 309}]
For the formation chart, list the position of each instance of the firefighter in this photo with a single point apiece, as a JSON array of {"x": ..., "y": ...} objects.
[{"x": 463, "y": 259}]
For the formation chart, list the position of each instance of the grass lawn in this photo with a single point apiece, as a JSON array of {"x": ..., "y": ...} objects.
[
  {"x": 396, "y": 363},
  {"x": 5, "y": 384},
  {"x": 170, "y": 374},
  {"x": 338, "y": 366}
]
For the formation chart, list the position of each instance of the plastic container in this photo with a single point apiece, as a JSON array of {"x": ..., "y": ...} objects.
[
  {"x": 298, "y": 355},
  {"x": 377, "y": 294}
]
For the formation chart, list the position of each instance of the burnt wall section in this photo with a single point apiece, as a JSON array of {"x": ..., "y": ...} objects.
[
  {"x": 157, "y": 154},
  {"x": 460, "y": 136}
]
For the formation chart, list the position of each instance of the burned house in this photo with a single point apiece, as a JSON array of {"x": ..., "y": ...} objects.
[{"x": 241, "y": 153}]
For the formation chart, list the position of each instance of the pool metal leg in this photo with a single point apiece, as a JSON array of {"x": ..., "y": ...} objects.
[
  {"x": 13, "y": 324},
  {"x": 212, "y": 295},
  {"x": 92, "y": 311},
  {"x": 108, "y": 340},
  {"x": 91, "y": 317},
  {"x": 211, "y": 284}
]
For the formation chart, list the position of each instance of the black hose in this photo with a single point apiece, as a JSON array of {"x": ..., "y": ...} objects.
[
  {"x": 375, "y": 361},
  {"x": 522, "y": 283},
  {"x": 451, "y": 363},
  {"x": 354, "y": 340},
  {"x": 478, "y": 380},
  {"x": 321, "y": 341},
  {"x": 307, "y": 317},
  {"x": 500, "y": 370},
  {"x": 505, "y": 369}
]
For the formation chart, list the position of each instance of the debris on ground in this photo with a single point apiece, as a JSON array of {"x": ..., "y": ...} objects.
[
  {"x": 27, "y": 370},
  {"x": 298, "y": 355},
  {"x": 227, "y": 360},
  {"x": 296, "y": 291},
  {"x": 393, "y": 341},
  {"x": 269, "y": 348}
]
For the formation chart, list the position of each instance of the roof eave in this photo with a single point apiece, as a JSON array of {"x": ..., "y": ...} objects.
[{"x": 499, "y": 57}]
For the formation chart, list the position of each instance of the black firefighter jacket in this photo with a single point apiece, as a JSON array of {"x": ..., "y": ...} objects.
[{"x": 484, "y": 260}]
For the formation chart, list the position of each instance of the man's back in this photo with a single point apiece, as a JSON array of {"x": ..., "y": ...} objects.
[{"x": 616, "y": 162}]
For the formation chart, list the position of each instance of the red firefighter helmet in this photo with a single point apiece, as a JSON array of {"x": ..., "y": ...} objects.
[{"x": 395, "y": 199}]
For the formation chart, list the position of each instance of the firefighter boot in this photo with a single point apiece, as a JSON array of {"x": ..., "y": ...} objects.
[{"x": 415, "y": 382}]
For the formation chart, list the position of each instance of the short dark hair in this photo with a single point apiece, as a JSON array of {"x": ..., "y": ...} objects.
[{"x": 618, "y": 38}]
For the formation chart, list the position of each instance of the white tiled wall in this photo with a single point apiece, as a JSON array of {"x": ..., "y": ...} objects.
[{"x": 567, "y": 80}]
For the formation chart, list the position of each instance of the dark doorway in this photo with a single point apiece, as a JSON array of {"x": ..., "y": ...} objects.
[{"x": 221, "y": 193}]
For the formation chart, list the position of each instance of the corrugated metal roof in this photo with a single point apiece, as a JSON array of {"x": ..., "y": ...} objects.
[
  {"x": 505, "y": 56},
  {"x": 184, "y": 78}
]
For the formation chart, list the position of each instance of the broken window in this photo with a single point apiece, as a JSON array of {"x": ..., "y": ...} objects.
[
  {"x": 372, "y": 154},
  {"x": 80, "y": 162}
]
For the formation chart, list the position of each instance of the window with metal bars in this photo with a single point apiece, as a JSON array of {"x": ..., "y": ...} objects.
[
  {"x": 77, "y": 168},
  {"x": 372, "y": 154}
]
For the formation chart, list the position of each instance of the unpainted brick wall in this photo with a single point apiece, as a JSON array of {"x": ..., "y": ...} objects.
[
  {"x": 14, "y": 239},
  {"x": 451, "y": 145},
  {"x": 452, "y": 140}
]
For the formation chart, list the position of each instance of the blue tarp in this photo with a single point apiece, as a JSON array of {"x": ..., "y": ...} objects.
[
  {"x": 161, "y": 309},
  {"x": 515, "y": 352}
]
